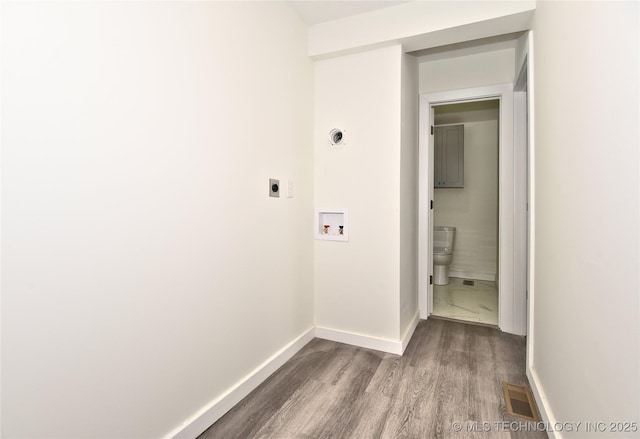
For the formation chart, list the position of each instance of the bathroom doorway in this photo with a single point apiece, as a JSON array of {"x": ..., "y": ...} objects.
[
  {"x": 470, "y": 205},
  {"x": 512, "y": 196}
]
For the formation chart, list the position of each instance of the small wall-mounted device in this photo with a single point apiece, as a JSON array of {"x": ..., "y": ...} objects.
[
  {"x": 337, "y": 137},
  {"x": 274, "y": 187}
]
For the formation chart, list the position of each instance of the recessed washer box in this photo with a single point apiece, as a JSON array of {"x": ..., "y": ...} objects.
[{"x": 331, "y": 224}]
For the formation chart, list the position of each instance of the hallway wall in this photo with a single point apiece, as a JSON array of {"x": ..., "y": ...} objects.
[{"x": 586, "y": 303}]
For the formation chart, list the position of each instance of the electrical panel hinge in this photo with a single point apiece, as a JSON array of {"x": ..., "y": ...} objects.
[
  {"x": 432, "y": 130},
  {"x": 431, "y": 203},
  {"x": 430, "y": 279}
]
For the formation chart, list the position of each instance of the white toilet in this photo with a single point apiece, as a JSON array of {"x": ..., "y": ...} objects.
[{"x": 443, "y": 238}]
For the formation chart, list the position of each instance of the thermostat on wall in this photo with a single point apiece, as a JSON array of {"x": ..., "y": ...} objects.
[{"x": 337, "y": 137}]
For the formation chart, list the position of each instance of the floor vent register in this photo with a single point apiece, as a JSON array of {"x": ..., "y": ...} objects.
[{"x": 520, "y": 402}]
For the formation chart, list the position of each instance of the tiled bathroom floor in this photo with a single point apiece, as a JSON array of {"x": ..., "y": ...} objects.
[{"x": 478, "y": 303}]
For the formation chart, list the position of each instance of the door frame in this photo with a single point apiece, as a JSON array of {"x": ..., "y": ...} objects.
[
  {"x": 512, "y": 312},
  {"x": 524, "y": 119}
]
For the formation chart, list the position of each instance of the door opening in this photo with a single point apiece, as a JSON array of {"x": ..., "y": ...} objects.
[
  {"x": 466, "y": 187},
  {"x": 511, "y": 288}
]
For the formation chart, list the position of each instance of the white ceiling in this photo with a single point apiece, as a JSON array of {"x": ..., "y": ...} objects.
[{"x": 314, "y": 12}]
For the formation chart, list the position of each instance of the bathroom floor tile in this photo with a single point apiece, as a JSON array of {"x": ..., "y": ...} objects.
[{"x": 477, "y": 303}]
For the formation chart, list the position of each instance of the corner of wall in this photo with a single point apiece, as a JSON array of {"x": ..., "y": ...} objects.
[{"x": 214, "y": 410}]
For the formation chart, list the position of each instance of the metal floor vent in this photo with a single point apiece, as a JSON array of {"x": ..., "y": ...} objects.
[
  {"x": 469, "y": 283},
  {"x": 520, "y": 402}
]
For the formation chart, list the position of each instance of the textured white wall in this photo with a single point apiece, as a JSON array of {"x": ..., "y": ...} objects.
[
  {"x": 473, "y": 210},
  {"x": 144, "y": 269},
  {"x": 357, "y": 283},
  {"x": 586, "y": 328}
]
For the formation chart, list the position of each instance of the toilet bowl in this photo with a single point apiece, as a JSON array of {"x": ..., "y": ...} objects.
[{"x": 443, "y": 239}]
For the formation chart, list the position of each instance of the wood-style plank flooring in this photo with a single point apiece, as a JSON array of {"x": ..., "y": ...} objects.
[{"x": 450, "y": 372}]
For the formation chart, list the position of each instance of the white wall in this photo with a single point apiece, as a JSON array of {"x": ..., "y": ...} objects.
[
  {"x": 473, "y": 210},
  {"x": 357, "y": 283},
  {"x": 144, "y": 269},
  {"x": 409, "y": 194},
  {"x": 457, "y": 72},
  {"x": 586, "y": 329}
]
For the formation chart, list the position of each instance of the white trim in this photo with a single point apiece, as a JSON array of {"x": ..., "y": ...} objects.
[
  {"x": 360, "y": 340},
  {"x": 520, "y": 199},
  {"x": 215, "y": 409},
  {"x": 511, "y": 320},
  {"x": 490, "y": 277},
  {"x": 408, "y": 333},
  {"x": 542, "y": 402},
  {"x": 531, "y": 242},
  {"x": 425, "y": 213}
]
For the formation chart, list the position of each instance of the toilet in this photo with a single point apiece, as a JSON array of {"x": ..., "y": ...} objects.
[{"x": 442, "y": 253}]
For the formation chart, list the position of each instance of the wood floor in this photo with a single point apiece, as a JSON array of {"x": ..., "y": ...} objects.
[{"x": 450, "y": 372}]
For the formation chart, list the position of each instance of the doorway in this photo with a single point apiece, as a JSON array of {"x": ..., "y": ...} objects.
[
  {"x": 466, "y": 147},
  {"x": 512, "y": 310}
]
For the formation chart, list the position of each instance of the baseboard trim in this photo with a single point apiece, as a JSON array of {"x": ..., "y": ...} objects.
[
  {"x": 360, "y": 340},
  {"x": 469, "y": 275},
  {"x": 408, "y": 333},
  {"x": 542, "y": 402},
  {"x": 213, "y": 411}
]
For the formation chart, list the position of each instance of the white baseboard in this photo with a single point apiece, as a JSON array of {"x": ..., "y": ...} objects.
[
  {"x": 471, "y": 275},
  {"x": 408, "y": 333},
  {"x": 360, "y": 340},
  {"x": 542, "y": 402},
  {"x": 213, "y": 411}
]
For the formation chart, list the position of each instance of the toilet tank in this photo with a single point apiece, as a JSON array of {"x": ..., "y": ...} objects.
[{"x": 443, "y": 237}]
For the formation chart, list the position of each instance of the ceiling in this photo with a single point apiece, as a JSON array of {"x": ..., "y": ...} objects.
[{"x": 314, "y": 12}]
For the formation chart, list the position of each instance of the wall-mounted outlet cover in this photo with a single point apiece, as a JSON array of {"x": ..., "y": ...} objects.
[{"x": 274, "y": 187}]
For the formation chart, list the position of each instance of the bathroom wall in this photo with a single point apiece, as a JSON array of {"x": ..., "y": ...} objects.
[
  {"x": 357, "y": 283},
  {"x": 586, "y": 303},
  {"x": 145, "y": 271},
  {"x": 473, "y": 210}
]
